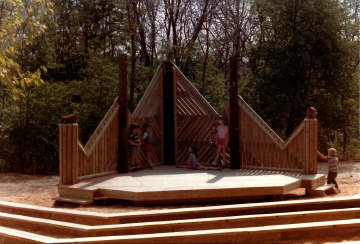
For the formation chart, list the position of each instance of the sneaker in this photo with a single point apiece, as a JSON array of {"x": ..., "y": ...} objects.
[
  {"x": 133, "y": 168},
  {"x": 138, "y": 167},
  {"x": 214, "y": 164}
]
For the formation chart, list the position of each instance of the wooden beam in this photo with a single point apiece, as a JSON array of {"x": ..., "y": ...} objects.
[
  {"x": 169, "y": 114},
  {"x": 234, "y": 139},
  {"x": 123, "y": 116}
]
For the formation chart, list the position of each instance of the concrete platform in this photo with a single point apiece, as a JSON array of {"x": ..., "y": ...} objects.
[{"x": 170, "y": 184}]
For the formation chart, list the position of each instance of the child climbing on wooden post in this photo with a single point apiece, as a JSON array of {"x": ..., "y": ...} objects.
[
  {"x": 333, "y": 164},
  {"x": 192, "y": 162},
  {"x": 134, "y": 144},
  {"x": 147, "y": 142},
  {"x": 222, "y": 139}
]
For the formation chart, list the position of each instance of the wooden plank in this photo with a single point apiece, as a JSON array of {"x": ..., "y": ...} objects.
[
  {"x": 234, "y": 140},
  {"x": 307, "y": 146},
  {"x": 301, "y": 149},
  {"x": 123, "y": 116},
  {"x": 69, "y": 153},
  {"x": 315, "y": 147},
  {"x": 169, "y": 114},
  {"x": 81, "y": 163},
  {"x": 60, "y": 152},
  {"x": 74, "y": 164},
  {"x": 162, "y": 114},
  {"x": 103, "y": 154},
  {"x": 100, "y": 156},
  {"x": 312, "y": 146},
  {"x": 64, "y": 157}
]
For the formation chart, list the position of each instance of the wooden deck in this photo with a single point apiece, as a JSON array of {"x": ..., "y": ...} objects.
[{"x": 167, "y": 183}]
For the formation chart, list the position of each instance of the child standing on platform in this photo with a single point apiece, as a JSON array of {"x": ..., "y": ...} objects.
[
  {"x": 134, "y": 145},
  {"x": 222, "y": 139},
  {"x": 333, "y": 164},
  {"x": 147, "y": 142}
]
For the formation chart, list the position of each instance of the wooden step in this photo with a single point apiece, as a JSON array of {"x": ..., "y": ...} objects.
[
  {"x": 73, "y": 200},
  {"x": 92, "y": 218},
  {"x": 69, "y": 192},
  {"x": 320, "y": 191},
  {"x": 65, "y": 229},
  {"x": 236, "y": 235}
]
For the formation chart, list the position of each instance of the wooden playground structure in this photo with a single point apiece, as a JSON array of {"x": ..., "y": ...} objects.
[
  {"x": 261, "y": 164},
  {"x": 181, "y": 117}
]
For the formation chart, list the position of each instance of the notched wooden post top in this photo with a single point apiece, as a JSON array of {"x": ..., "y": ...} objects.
[
  {"x": 68, "y": 119},
  {"x": 311, "y": 113}
]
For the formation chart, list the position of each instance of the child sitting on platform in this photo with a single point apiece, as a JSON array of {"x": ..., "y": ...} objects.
[
  {"x": 192, "y": 162},
  {"x": 333, "y": 164},
  {"x": 222, "y": 139},
  {"x": 147, "y": 142},
  {"x": 134, "y": 146}
]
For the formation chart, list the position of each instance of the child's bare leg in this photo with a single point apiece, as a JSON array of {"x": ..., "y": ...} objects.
[
  {"x": 210, "y": 168},
  {"x": 218, "y": 150},
  {"x": 132, "y": 160},
  {"x": 181, "y": 165},
  {"x": 224, "y": 154}
]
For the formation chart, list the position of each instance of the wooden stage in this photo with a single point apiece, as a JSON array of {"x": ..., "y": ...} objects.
[{"x": 170, "y": 184}]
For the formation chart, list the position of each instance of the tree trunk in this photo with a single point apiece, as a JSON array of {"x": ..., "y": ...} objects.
[
  {"x": 142, "y": 36},
  {"x": 132, "y": 31}
]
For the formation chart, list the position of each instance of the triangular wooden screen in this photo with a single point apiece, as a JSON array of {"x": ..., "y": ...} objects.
[{"x": 196, "y": 119}]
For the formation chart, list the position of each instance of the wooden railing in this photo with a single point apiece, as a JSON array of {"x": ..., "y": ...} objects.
[
  {"x": 262, "y": 148},
  {"x": 98, "y": 156}
]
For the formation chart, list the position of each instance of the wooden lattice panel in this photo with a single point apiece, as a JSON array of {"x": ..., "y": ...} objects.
[{"x": 199, "y": 131}]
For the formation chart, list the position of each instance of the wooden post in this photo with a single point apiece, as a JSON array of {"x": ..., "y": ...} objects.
[
  {"x": 310, "y": 142},
  {"x": 68, "y": 150},
  {"x": 123, "y": 116},
  {"x": 169, "y": 114},
  {"x": 234, "y": 138}
]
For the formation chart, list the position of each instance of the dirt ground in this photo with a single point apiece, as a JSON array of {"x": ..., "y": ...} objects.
[{"x": 39, "y": 190}]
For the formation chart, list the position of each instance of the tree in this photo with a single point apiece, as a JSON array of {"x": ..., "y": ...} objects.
[
  {"x": 305, "y": 61},
  {"x": 20, "y": 23}
]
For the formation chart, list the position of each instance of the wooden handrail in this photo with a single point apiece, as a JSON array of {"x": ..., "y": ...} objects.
[
  {"x": 105, "y": 122},
  {"x": 266, "y": 128},
  {"x": 110, "y": 114}
]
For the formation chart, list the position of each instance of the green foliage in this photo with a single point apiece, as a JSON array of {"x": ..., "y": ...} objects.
[
  {"x": 305, "y": 62},
  {"x": 20, "y": 23},
  {"x": 299, "y": 54}
]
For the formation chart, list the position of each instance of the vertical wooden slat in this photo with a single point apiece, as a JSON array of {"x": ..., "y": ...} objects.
[
  {"x": 103, "y": 153},
  {"x": 75, "y": 167},
  {"x": 307, "y": 146},
  {"x": 312, "y": 146},
  {"x": 234, "y": 140},
  {"x": 60, "y": 153},
  {"x": 80, "y": 160},
  {"x": 64, "y": 157},
  {"x": 69, "y": 153},
  {"x": 315, "y": 146},
  {"x": 123, "y": 115},
  {"x": 301, "y": 149},
  {"x": 94, "y": 160}
]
